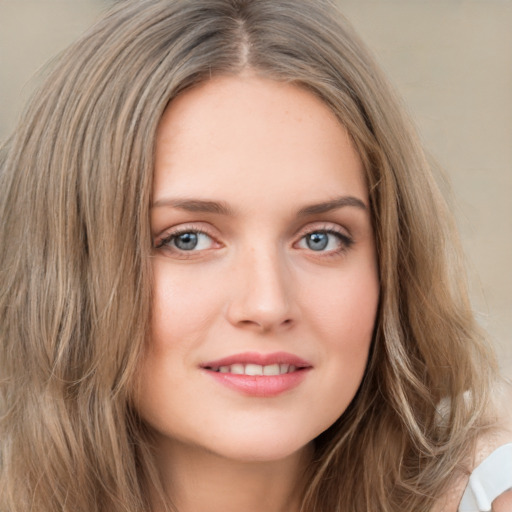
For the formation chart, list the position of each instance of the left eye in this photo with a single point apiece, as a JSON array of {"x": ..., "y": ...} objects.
[
  {"x": 321, "y": 241},
  {"x": 188, "y": 241}
]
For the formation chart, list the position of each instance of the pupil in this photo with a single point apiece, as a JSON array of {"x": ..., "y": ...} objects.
[
  {"x": 317, "y": 241},
  {"x": 186, "y": 241}
]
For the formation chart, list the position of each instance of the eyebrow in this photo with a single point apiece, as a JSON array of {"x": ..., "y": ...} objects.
[
  {"x": 222, "y": 208},
  {"x": 334, "y": 204},
  {"x": 195, "y": 205}
]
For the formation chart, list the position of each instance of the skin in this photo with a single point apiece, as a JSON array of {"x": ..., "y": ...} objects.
[
  {"x": 265, "y": 151},
  {"x": 254, "y": 283},
  {"x": 500, "y": 434}
]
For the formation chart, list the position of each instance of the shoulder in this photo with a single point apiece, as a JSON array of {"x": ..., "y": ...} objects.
[{"x": 488, "y": 454}]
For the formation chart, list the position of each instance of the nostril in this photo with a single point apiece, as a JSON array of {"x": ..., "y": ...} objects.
[{"x": 264, "y": 325}]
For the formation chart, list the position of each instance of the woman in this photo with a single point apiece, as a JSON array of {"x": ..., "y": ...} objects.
[{"x": 228, "y": 279}]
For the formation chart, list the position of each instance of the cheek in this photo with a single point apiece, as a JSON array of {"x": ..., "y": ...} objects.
[
  {"x": 182, "y": 311},
  {"x": 344, "y": 324},
  {"x": 184, "y": 305},
  {"x": 344, "y": 307}
]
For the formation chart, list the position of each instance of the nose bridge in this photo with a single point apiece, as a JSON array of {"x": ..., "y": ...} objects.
[{"x": 262, "y": 292}]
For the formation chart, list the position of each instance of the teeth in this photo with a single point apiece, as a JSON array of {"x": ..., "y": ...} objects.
[
  {"x": 237, "y": 369},
  {"x": 257, "y": 369},
  {"x": 253, "y": 369},
  {"x": 271, "y": 369}
]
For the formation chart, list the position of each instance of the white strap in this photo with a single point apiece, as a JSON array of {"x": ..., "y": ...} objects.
[{"x": 488, "y": 481}]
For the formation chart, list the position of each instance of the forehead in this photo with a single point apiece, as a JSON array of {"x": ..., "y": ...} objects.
[{"x": 245, "y": 137}]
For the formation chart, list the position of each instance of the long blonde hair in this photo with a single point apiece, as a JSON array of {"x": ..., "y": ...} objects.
[{"x": 75, "y": 299}]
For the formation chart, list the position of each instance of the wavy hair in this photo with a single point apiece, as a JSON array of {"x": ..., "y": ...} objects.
[{"x": 75, "y": 278}]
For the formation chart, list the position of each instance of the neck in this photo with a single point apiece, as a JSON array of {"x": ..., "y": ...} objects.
[{"x": 200, "y": 481}]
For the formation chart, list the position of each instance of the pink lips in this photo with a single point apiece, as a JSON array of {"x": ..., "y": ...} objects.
[{"x": 227, "y": 370}]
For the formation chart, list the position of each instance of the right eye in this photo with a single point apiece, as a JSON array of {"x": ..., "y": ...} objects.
[{"x": 187, "y": 241}]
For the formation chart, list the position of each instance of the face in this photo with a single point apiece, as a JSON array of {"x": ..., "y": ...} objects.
[{"x": 265, "y": 277}]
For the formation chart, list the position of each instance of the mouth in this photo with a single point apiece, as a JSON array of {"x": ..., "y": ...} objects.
[
  {"x": 254, "y": 369},
  {"x": 254, "y": 374},
  {"x": 254, "y": 363}
]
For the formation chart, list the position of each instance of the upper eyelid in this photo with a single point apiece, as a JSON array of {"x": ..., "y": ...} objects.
[
  {"x": 185, "y": 228},
  {"x": 342, "y": 237},
  {"x": 323, "y": 226},
  {"x": 164, "y": 242},
  {"x": 207, "y": 229}
]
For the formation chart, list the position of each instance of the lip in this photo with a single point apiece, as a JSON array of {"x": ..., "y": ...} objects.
[
  {"x": 259, "y": 385},
  {"x": 257, "y": 358}
]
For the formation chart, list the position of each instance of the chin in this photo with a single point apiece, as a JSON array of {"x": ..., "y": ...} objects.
[
  {"x": 264, "y": 444},
  {"x": 263, "y": 451}
]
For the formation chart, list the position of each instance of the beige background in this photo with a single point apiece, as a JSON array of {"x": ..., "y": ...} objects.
[{"x": 450, "y": 59}]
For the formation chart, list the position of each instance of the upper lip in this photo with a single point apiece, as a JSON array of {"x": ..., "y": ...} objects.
[{"x": 260, "y": 359}]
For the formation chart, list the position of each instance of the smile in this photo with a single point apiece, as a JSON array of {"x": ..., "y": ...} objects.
[
  {"x": 259, "y": 375},
  {"x": 256, "y": 369}
]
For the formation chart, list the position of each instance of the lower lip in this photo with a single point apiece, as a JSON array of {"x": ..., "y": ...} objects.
[{"x": 260, "y": 385}]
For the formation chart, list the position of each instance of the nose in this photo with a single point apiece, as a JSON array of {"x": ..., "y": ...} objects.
[{"x": 262, "y": 293}]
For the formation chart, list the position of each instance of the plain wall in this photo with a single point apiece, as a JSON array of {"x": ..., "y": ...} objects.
[{"x": 451, "y": 60}]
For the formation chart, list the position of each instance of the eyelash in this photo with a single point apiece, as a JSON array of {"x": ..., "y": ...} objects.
[
  {"x": 168, "y": 238},
  {"x": 345, "y": 240}
]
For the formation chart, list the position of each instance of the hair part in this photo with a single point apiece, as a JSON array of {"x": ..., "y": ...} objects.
[{"x": 75, "y": 301}]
